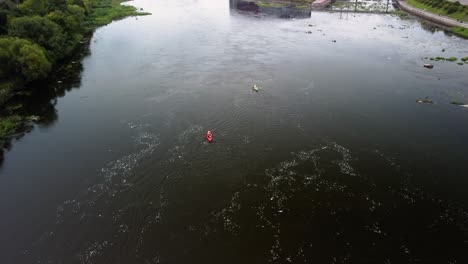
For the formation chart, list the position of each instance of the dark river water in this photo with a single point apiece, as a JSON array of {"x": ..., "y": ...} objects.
[{"x": 333, "y": 161}]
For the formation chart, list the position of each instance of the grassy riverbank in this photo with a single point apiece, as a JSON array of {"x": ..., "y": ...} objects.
[
  {"x": 301, "y": 4},
  {"x": 462, "y": 32},
  {"x": 109, "y": 10},
  {"x": 38, "y": 37},
  {"x": 443, "y": 7}
]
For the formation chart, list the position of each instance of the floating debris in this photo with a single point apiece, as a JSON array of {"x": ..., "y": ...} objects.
[
  {"x": 425, "y": 101},
  {"x": 429, "y": 66},
  {"x": 256, "y": 88}
]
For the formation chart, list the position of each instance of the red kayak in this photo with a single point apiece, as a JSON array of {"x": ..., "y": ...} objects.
[{"x": 209, "y": 136}]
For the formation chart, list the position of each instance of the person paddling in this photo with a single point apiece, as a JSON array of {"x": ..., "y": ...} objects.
[{"x": 209, "y": 136}]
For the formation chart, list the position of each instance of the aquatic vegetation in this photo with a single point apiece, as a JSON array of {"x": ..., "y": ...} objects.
[
  {"x": 464, "y": 59},
  {"x": 454, "y": 102},
  {"x": 451, "y": 59}
]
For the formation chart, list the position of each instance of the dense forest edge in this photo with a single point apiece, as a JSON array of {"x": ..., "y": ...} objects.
[{"x": 37, "y": 37}]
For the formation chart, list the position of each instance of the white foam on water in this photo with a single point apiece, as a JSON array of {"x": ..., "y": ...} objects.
[
  {"x": 344, "y": 164},
  {"x": 284, "y": 181},
  {"x": 112, "y": 179},
  {"x": 226, "y": 216},
  {"x": 191, "y": 134},
  {"x": 92, "y": 251}
]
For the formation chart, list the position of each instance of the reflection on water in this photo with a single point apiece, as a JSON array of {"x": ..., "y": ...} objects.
[
  {"x": 332, "y": 161},
  {"x": 40, "y": 102}
]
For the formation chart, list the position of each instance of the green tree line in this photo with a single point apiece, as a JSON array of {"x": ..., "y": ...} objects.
[{"x": 35, "y": 35}]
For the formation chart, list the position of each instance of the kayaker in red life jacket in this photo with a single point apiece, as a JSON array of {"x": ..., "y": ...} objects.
[{"x": 209, "y": 136}]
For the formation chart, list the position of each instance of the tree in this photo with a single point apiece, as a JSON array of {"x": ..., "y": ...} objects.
[
  {"x": 41, "y": 31},
  {"x": 70, "y": 20},
  {"x": 33, "y": 62},
  {"x": 452, "y": 9},
  {"x": 34, "y": 7},
  {"x": 20, "y": 58},
  {"x": 7, "y": 8}
]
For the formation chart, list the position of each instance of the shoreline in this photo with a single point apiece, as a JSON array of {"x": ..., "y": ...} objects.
[
  {"x": 458, "y": 28},
  {"x": 446, "y": 21},
  {"x": 16, "y": 117}
]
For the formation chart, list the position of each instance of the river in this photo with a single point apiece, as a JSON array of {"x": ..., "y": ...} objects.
[{"x": 333, "y": 161}]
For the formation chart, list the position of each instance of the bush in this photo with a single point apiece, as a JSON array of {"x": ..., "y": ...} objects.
[
  {"x": 41, "y": 31},
  {"x": 6, "y": 91},
  {"x": 23, "y": 59},
  {"x": 452, "y": 9},
  {"x": 9, "y": 125}
]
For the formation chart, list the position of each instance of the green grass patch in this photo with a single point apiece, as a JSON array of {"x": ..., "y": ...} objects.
[
  {"x": 401, "y": 14},
  {"x": 300, "y": 4},
  {"x": 106, "y": 11},
  {"x": 460, "y": 31},
  {"x": 9, "y": 126},
  {"x": 451, "y": 59},
  {"x": 442, "y": 7},
  {"x": 267, "y": 4}
]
